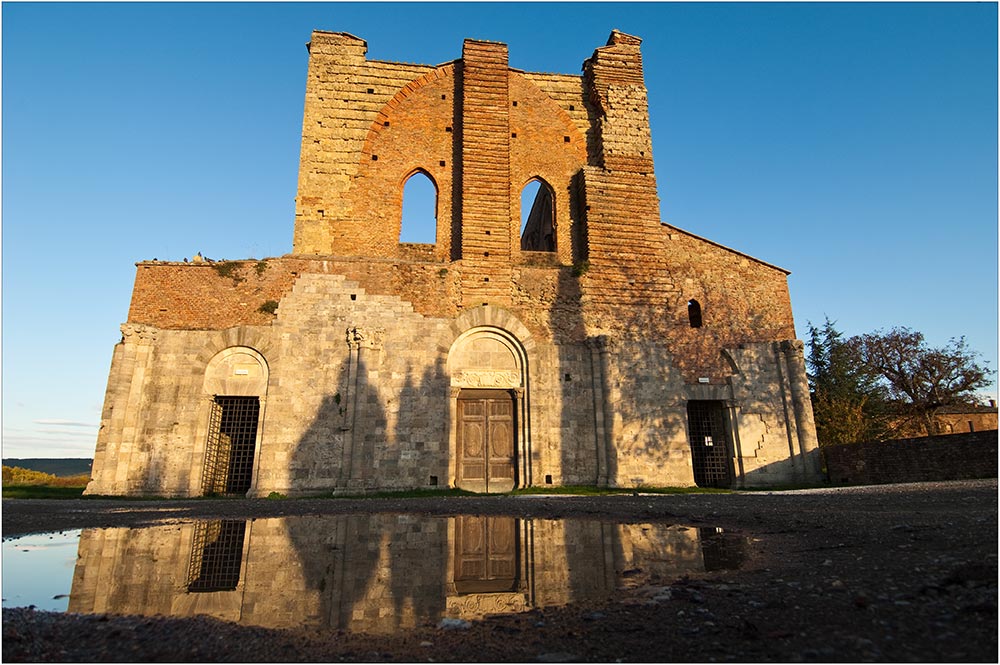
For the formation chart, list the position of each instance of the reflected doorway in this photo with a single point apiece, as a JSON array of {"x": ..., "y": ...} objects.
[
  {"x": 487, "y": 554},
  {"x": 486, "y": 453}
]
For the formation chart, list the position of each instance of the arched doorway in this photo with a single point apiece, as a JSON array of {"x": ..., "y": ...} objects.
[
  {"x": 487, "y": 368},
  {"x": 236, "y": 387}
]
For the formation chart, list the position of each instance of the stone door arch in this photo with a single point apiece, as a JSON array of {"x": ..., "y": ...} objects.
[
  {"x": 488, "y": 369},
  {"x": 235, "y": 387}
]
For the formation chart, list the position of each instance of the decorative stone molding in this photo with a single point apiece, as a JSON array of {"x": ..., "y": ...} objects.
[
  {"x": 138, "y": 333},
  {"x": 603, "y": 343},
  {"x": 480, "y": 604},
  {"x": 365, "y": 338},
  {"x": 793, "y": 347},
  {"x": 484, "y": 378}
]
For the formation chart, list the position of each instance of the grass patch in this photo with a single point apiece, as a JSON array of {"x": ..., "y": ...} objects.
[
  {"x": 783, "y": 488},
  {"x": 41, "y": 492},
  {"x": 400, "y": 494},
  {"x": 589, "y": 490},
  {"x": 51, "y": 492}
]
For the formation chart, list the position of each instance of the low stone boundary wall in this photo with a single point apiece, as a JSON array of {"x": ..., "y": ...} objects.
[{"x": 945, "y": 457}]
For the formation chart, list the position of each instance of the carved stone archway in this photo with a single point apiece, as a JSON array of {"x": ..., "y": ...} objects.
[{"x": 489, "y": 439}]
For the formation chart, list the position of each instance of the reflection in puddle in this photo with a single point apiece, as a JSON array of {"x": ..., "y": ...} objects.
[
  {"x": 378, "y": 573},
  {"x": 38, "y": 569}
]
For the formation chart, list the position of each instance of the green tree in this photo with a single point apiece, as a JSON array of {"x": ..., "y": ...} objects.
[
  {"x": 849, "y": 404},
  {"x": 919, "y": 379}
]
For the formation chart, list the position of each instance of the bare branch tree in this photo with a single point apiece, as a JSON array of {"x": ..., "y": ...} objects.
[{"x": 919, "y": 378}]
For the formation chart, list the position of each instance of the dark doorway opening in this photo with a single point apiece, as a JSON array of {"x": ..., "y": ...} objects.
[
  {"x": 216, "y": 555},
  {"x": 232, "y": 436},
  {"x": 486, "y": 452},
  {"x": 707, "y": 434}
]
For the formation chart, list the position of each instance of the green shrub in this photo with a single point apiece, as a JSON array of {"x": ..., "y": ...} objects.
[{"x": 228, "y": 269}]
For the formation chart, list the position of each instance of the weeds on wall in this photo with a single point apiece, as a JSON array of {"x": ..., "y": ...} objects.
[
  {"x": 228, "y": 269},
  {"x": 269, "y": 307}
]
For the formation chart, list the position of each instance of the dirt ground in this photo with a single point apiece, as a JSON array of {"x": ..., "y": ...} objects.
[{"x": 879, "y": 573}]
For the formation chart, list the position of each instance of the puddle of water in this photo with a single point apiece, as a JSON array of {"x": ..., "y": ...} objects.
[
  {"x": 364, "y": 573},
  {"x": 38, "y": 570}
]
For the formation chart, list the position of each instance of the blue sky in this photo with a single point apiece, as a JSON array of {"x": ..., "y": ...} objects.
[{"x": 854, "y": 144}]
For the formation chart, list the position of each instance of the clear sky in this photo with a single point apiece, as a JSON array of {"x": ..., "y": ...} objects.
[{"x": 854, "y": 144}]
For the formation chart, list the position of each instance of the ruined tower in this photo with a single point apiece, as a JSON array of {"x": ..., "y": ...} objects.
[{"x": 598, "y": 345}]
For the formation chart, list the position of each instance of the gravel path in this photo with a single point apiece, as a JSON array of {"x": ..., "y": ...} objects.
[{"x": 879, "y": 573}]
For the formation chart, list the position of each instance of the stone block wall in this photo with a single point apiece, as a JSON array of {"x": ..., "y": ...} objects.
[
  {"x": 945, "y": 457},
  {"x": 358, "y": 334},
  {"x": 374, "y": 573}
]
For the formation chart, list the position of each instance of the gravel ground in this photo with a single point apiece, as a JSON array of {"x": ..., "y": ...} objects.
[{"x": 880, "y": 573}]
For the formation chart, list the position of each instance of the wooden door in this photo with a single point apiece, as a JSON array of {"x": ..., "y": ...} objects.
[
  {"x": 486, "y": 452},
  {"x": 486, "y": 554}
]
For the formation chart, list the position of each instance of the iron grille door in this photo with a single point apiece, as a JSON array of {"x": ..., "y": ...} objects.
[
  {"x": 216, "y": 555},
  {"x": 707, "y": 433},
  {"x": 232, "y": 435}
]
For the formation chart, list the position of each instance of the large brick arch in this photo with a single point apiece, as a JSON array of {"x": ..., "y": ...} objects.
[
  {"x": 413, "y": 132},
  {"x": 548, "y": 147}
]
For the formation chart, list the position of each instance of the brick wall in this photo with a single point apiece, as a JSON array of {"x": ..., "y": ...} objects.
[{"x": 946, "y": 457}]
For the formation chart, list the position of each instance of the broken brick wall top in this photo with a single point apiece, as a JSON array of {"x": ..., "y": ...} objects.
[
  {"x": 480, "y": 131},
  {"x": 477, "y": 128}
]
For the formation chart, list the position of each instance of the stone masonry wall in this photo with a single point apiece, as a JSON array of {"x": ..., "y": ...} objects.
[
  {"x": 375, "y": 574},
  {"x": 945, "y": 457},
  {"x": 354, "y": 329}
]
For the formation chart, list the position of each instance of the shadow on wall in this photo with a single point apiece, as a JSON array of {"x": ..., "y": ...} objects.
[
  {"x": 634, "y": 383},
  {"x": 962, "y": 456},
  {"x": 363, "y": 438},
  {"x": 372, "y": 573}
]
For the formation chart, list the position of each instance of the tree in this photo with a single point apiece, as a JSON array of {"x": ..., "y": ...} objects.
[
  {"x": 918, "y": 378},
  {"x": 849, "y": 404}
]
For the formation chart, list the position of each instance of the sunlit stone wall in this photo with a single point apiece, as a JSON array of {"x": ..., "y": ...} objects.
[
  {"x": 356, "y": 332},
  {"x": 372, "y": 573}
]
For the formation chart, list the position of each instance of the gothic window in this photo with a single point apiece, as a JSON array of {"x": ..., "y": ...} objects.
[
  {"x": 419, "y": 217},
  {"x": 694, "y": 314},
  {"x": 537, "y": 214}
]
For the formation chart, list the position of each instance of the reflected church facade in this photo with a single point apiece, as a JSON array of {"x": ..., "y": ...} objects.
[
  {"x": 377, "y": 573},
  {"x": 596, "y": 345}
]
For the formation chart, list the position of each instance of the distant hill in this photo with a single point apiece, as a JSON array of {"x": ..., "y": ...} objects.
[{"x": 61, "y": 467}]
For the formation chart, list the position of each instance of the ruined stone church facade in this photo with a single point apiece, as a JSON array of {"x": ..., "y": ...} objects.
[{"x": 594, "y": 346}]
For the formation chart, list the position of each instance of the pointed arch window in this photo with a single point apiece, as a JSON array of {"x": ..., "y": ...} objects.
[
  {"x": 694, "y": 314},
  {"x": 537, "y": 215},
  {"x": 418, "y": 223}
]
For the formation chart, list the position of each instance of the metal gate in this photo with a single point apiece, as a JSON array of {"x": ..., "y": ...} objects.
[
  {"x": 216, "y": 555},
  {"x": 232, "y": 436},
  {"x": 707, "y": 434}
]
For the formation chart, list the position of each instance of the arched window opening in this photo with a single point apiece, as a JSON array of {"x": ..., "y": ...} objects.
[
  {"x": 419, "y": 219},
  {"x": 537, "y": 209},
  {"x": 694, "y": 314}
]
